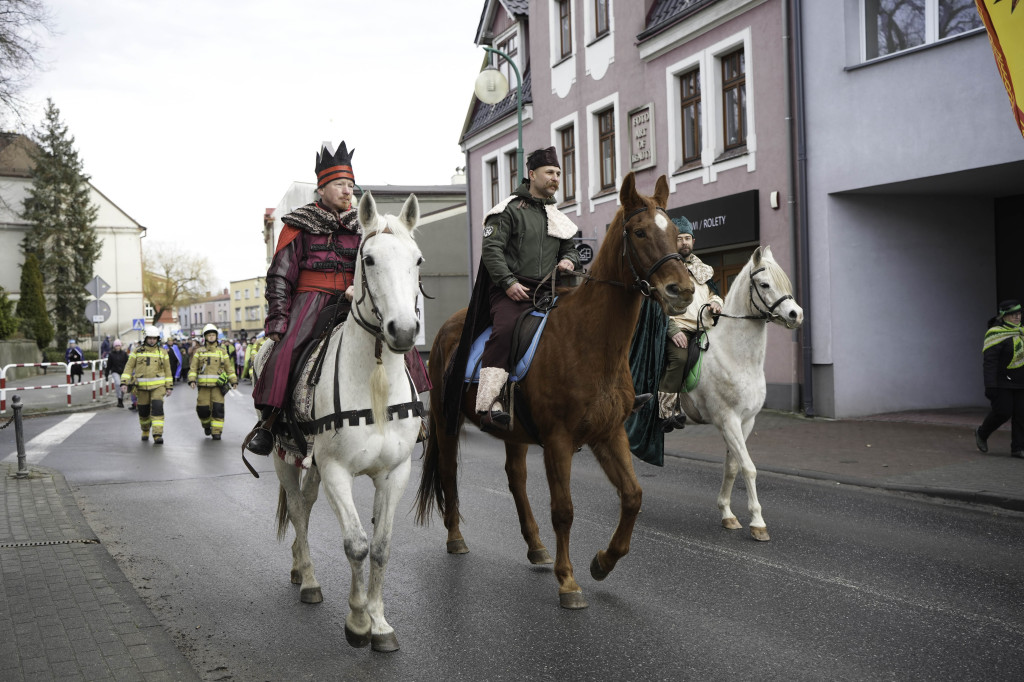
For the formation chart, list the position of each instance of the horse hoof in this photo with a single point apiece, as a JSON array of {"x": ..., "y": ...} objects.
[
  {"x": 759, "y": 534},
  {"x": 731, "y": 523},
  {"x": 355, "y": 639},
  {"x": 572, "y": 600},
  {"x": 311, "y": 595},
  {"x": 458, "y": 547},
  {"x": 296, "y": 577},
  {"x": 539, "y": 556},
  {"x": 384, "y": 643},
  {"x": 596, "y": 572}
]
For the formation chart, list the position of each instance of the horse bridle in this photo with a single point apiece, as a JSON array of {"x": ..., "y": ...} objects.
[
  {"x": 376, "y": 330},
  {"x": 767, "y": 313},
  {"x": 644, "y": 285}
]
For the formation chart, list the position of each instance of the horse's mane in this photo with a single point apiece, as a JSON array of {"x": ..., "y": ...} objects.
[{"x": 608, "y": 256}]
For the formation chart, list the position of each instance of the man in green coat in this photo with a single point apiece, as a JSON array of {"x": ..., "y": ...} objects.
[{"x": 525, "y": 237}]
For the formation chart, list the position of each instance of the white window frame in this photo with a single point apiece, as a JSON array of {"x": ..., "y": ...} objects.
[
  {"x": 594, "y": 150},
  {"x": 505, "y": 186},
  {"x": 517, "y": 58},
  {"x": 931, "y": 31},
  {"x": 598, "y": 53},
  {"x": 563, "y": 69},
  {"x": 709, "y": 61},
  {"x": 557, "y": 127}
]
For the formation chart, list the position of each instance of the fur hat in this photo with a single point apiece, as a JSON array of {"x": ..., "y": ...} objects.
[
  {"x": 684, "y": 225},
  {"x": 331, "y": 165},
  {"x": 542, "y": 157}
]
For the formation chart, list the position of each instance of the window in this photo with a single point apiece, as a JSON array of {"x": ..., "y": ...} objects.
[
  {"x": 509, "y": 46},
  {"x": 600, "y": 18},
  {"x": 513, "y": 171},
  {"x": 257, "y": 290},
  {"x": 689, "y": 107},
  {"x": 734, "y": 94},
  {"x": 238, "y": 294},
  {"x": 238, "y": 314},
  {"x": 568, "y": 139},
  {"x": 895, "y": 25},
  {"x": 565, "y": 28},
  {"x": 492, "y": 172},
  {"x": 606, "y": 141}
]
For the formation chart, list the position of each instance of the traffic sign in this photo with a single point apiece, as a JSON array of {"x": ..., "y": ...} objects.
[
  {"x": 138, "y": 324},
  {"x": 97, "y": 311},
  {"x": 97, "y": 287}
]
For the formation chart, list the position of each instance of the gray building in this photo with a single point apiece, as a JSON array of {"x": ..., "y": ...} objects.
[
  {"x": 694, "y": 90},
  {"x": 915, "y": 202}
]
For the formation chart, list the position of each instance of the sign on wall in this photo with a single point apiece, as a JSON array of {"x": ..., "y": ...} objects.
[
  {"x": 733, "y": 219},
  {"x": 641, "y": 137}
]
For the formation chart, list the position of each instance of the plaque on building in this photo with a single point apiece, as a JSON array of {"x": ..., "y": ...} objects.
[
  {"x": 641, "y": 137},
  {"x": 732, "y": 219}
]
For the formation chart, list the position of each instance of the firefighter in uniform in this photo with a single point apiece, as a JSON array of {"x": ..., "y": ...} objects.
[
  {"x": 211, "y": 369},
  {"x": 148, "y": 372}
]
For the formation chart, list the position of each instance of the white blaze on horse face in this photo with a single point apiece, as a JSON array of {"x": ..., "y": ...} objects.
[{"x": 661, "y": 221}]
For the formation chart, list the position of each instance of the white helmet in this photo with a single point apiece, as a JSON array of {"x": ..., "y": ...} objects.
[
  {"x": 210, "y": 328},
  {"x": 151, "y": 330}
]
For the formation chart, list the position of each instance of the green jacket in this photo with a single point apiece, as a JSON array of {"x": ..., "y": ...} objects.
[{"x": 517, "y": 244}]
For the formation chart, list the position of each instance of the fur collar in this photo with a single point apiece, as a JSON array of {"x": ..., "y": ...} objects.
[
  {"x": 701, "y": 272},
  {"x": 315, "y": 219}
]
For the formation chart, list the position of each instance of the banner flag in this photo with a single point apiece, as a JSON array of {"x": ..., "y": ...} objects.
[{"x": 1005, "y": 26}]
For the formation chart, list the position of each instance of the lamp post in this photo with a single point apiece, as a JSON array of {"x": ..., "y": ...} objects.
[{"x": 491, "y": 87}]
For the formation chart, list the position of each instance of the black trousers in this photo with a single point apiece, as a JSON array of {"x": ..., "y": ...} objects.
[{"x": 1007, "y": 404}]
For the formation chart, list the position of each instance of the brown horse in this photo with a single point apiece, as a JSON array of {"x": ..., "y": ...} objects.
[{"x": 579, "y": 389}]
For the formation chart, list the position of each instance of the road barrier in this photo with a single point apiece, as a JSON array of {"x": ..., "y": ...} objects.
[{"x": 98, "y": 383}]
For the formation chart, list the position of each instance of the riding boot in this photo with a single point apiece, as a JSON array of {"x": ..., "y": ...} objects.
[
  {"x": 668, "y": 410},
  {"x": 640, "y": 400},
  {"x": 260, "y": 439},
  {"x": 492, "y": 416}
]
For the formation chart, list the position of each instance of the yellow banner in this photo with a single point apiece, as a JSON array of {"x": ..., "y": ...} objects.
[{"x": 1005, "y": 26}]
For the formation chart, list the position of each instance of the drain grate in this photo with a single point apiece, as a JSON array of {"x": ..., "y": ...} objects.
[{"x": 86, "y": 541}]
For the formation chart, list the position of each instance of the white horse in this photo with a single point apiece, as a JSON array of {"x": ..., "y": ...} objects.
[
  {"x": 369, "y": 413},
  {"x": 732, "y": 389}
]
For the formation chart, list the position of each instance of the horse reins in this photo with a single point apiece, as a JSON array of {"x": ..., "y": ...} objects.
[{"x": 765, "y": 315}]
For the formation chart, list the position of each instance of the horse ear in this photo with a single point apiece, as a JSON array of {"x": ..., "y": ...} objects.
[
  {"x": 766, "y": 252},
  {"x": 410, "y": 214},
  {"x": 756, "y": 258},
  {"x": 661, "y": 192},
  {"x": 367, "y": 211},
  {"x": 627, "y": 192}
]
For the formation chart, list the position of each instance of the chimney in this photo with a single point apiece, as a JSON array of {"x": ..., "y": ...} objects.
[{"x": 460, "y": 176}]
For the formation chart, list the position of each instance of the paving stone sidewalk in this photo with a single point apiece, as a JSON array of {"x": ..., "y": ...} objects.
[{"x": 67, "y": 612}]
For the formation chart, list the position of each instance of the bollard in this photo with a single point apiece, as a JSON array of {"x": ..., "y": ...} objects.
[{"x": 19, "y": 436}]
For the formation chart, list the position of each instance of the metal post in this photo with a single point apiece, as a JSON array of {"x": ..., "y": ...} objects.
[
  {"x": 19, "y": 437},
  {"x": 519, "y": 111}
]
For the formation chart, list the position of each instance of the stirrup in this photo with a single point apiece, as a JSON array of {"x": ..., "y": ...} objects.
[
  {"x": 496, "y": 420},
  {"x": 676, "y": 421}
]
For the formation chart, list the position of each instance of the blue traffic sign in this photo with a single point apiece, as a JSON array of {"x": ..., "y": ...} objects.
[{"x": 138, "y": 323}]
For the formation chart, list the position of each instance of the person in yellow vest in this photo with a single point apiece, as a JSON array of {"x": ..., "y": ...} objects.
[
  {"x": 250, "y": 357},
  {"x": 148, "y": 372},
  {"x": 210, "y": 369}
]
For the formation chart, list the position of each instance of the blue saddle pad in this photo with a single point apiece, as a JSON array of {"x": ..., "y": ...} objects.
[{"x": 522, "y": 364}]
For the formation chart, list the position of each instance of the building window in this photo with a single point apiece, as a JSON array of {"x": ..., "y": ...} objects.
[
  {"x": 606, "y": 142},
  {"x": 565, "y": 28},
  {"x": 492, "y": 172},
  {"x": 600, "y": 18},
  {"x": 238, "y": 314},
  {"x": 238, "y": 294},
  {"x": 568, "y": 139},
  {"x": 895, "y": 25},
  {"x": 257, "y": 291},
  {"x": 689, "y": 107},
  {"x": 513, "y": 171},
  {"x": 734, "y": 96},
  {"x": 509, "y": 46}
]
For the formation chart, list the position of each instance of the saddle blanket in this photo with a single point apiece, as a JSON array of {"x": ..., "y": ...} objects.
[{"x": 522, "y": 364}]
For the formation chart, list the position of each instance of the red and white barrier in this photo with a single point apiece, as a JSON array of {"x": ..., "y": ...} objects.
[{"x": 96, "y": 367}]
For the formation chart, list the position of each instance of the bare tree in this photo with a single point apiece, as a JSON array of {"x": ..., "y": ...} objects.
[
  {"x": 22, "y": 23},
  {"x": 173, "y": 277}
]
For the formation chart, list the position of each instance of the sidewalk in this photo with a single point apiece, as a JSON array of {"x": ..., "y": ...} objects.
[{"x": 67, "y": 611}]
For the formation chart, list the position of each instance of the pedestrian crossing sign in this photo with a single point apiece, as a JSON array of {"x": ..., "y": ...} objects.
[{"x": 138, "y": 324}]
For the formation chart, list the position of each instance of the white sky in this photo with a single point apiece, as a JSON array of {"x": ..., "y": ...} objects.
[{"x": 194, "y": 116}]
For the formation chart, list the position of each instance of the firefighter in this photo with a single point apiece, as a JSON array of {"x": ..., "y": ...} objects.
[
  {"x": 148, "y": 373},
  {"x": 213, "y": 371}
]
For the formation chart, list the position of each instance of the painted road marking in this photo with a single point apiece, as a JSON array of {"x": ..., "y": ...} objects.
[{"x": 40, "y": 446}]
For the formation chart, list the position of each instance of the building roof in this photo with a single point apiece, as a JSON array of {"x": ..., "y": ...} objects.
[
  {"x": 483, "y": 115},
  {"x": 515, "y": 8},
  {"x": 665, "y": 13}
]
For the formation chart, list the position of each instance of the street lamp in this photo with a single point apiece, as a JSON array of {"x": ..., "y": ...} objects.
[{"x": 491, "y": 87}]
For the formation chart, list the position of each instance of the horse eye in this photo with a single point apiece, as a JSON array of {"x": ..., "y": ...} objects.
[
  {"x": 764, "y": 285},
  {"x": 367, "y": 260},
  {"x": 640, "y": 233},
  {"x": 419, "y": 261}
]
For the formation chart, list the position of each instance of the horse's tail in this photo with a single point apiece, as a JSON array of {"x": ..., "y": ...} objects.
[
  {"x": 430, "y": 491},
  {"x": 282, "y": 514}
]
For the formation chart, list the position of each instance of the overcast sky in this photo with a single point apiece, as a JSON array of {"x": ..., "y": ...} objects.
[{"x": 194, "y": 116}]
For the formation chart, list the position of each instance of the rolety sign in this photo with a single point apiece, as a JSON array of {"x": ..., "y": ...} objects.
[{"x": 720, "y": 222}]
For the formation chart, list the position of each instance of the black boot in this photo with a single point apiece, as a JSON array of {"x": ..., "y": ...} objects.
[
  {"x": 120, "y": 402},
  {"x": 676, "y": 421},
  {"x": 640, "y": 400},
  {"x": 495, "y": 420},
  {"x": 260, "y": 439}
]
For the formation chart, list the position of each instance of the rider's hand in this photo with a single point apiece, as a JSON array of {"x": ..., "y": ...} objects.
[
  {"x": 716, "y": 307},
  {"x": 350, "y": 293},
  {"x": 191, "y": 384},
  {"x": 679, "y": 339},
  {"x": 517, "y": 292},
  {"x": 169, "y": 392},
  {"x": 565, "y": 265}
]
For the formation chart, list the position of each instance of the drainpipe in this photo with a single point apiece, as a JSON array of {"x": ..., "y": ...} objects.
[
  {"x": 795, "y": 72},
  {"x": 470, "y": 230}
]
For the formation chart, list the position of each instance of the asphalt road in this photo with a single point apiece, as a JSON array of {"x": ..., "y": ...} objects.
[{"x": 855, "y": 584}]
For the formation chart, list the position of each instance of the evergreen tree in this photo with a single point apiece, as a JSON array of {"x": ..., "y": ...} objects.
[
  {"x": 62, "y": 235},
  {"x": 8, "y": 321},
  {"x": 32, "y": 304}
]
